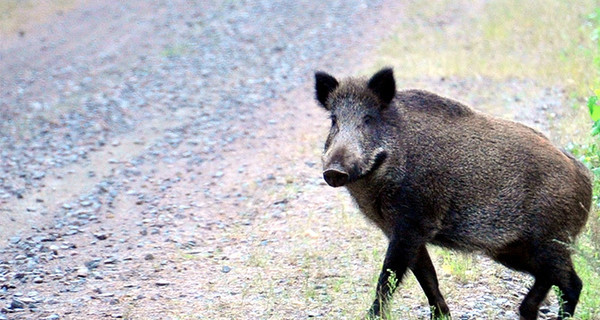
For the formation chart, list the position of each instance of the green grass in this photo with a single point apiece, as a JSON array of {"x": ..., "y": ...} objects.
[
  {"x": 175, "y": 50},
  {"x": 461, "y": 266},
  {"x": 589, "y": 303}
]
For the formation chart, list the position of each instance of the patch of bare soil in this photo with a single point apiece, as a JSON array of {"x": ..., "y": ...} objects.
[{"x": 182, "y": 178}]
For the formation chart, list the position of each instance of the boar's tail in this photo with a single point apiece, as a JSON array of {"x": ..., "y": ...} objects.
[{"x": 585, "y": 186}]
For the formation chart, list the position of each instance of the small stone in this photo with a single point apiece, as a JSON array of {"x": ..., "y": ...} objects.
[
  {"x": 106, "y": 295},
  {"x": 38, "y": 280},
  {"x": 27, "y": 301},
  {"x": 52, "y": 317},
  {"x": 226, "y": 269},
  {"x": 82, "y": 272},
  {"x": 101, "y": 236},
  {"x": 15, "y": 240},
  {"x": 149, "y": 257},
  {"x": 313, "y": 314},
  {"x": 92, "y": 264},
  {"x": 38, "y": 175},
  {"x": 17, "y": 304},
  {"x": 32, "y": 293},
  {"x": 162, "y": 283}
]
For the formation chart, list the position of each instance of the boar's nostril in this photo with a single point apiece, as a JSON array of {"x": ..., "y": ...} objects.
[{"x": 335, "y": 178}]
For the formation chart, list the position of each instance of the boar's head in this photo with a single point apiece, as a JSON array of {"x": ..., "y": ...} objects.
[{"x": 356, "y": 145}]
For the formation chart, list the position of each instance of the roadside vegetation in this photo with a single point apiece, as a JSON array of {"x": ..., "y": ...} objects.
[{"x": 537, "y": 44}]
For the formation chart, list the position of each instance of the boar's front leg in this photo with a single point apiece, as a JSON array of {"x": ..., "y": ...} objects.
[{"x": 401, "y": 253}]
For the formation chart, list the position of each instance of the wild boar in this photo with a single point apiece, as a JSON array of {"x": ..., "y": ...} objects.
[{"x": 427, "y": 169}]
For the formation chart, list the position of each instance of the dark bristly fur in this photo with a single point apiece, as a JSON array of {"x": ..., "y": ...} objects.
[{"x": 426, "y": 169}]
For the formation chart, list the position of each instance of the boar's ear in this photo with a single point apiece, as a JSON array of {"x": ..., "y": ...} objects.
[
  {"x": 383, "y": 85},
  {"x": 324, "y": 84}
]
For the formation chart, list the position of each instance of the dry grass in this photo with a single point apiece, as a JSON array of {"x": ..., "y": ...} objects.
[{"x": 544, "y": 40}]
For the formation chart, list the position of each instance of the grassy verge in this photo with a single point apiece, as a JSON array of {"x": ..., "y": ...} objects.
[
  {"x": 554, "y": 44},
  {"x": 543, "y": 40}
]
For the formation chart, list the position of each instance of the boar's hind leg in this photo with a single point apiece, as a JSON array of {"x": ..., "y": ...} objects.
[
  {"x": 517, "y": 256},
  {"x": 564, "y": 276},
  {"x": 556, "y": 266},
  {"x": 531, "y": 304},
  {"x": 567, "y": 281},
  {"x": 425, "y": 273},
  {"x": 570, "y": 288},
  {"x": 550, "y": 265}
]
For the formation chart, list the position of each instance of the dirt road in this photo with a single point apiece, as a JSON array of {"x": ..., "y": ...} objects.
[
  {"x": 160, "y": 160},
  {"x": 131, "y": 131}
]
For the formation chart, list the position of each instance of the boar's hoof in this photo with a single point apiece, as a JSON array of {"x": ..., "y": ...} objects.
[{"x": 335, "y": 178}]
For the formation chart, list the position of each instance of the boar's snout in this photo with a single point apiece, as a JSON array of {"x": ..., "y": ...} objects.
[{"x": 336, "y": 177}]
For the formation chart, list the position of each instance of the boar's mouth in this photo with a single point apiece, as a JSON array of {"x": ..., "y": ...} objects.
[
  {"x": 379, "y": 159},
  {"x": 338, "y": 177}
]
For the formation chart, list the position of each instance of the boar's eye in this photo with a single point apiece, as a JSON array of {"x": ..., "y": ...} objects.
[{"x": 368, "y": 119}]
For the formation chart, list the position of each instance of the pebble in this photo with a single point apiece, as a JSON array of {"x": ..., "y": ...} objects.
[
  {"x": 226, "y": 269},
  {"x": 162, "y": 283},
  {"x": 17, "y": 304},
  {"x": 92, "y": 264},
  {"x": 101, "y": 236},
  {"x": 82, "y": 272}
]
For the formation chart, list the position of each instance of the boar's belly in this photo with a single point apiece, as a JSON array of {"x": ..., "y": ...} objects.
[{"x": 479, "y": 230}]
